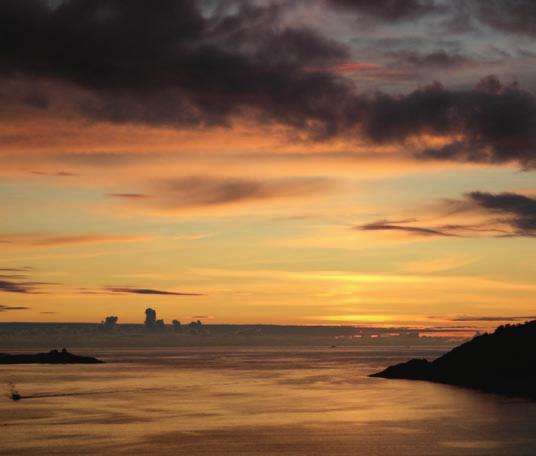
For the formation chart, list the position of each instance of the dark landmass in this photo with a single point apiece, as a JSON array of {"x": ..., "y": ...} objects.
[
  {"x": 502, "y": 362},
  {"x": 52, "y": 357}
]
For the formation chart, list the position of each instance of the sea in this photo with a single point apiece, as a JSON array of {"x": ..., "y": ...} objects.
[{"x": 253, "y": 401}]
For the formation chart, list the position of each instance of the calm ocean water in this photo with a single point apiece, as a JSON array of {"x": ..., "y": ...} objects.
[{"x": 262, "y": 401}]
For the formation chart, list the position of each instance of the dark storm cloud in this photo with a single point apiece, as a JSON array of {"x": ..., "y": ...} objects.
[
  {"x": 169, "y": 63},
  {"x": 511, "y": 16},
  {"x": 518, "y": 211},
  {"x": 173, "y": 63},
  {"x": 505, "y": 215},
  {"x": 388, "y": 10},
  {"x": 439, "y": 59},
  {"x": 495, "y": 124},
  {"x": 148, "y": 291},
  {"x": 37, "y": 100}
]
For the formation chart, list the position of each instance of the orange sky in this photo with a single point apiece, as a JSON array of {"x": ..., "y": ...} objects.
[{"x": 319, "y": 176}]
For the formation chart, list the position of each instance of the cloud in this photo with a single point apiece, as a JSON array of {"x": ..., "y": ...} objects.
[
  {"x": 405, "y": 66},
  {"x": 8, "y": 286},
  {"x": 148, "y": 291},
  {"x": 388, "y": 10},
  {"x": 56, "y": 174},
  {"x": 12, "y": 276},
  {"x": 17, "y": 281},
  {"x": 9, "y": 308},
  {"x": 439, "y": 59},
  {"x": 466, "y": 318},
  {"x": 490, "y": 126},
  {"x": 179, "y": 63},
  {"x": 207, "y": 191},
  {"x": 13, "y": 287},
  {"x": 128, "y": 195},
  {"x": 400, "y": 225},
  {"x": 173, "y": 62},
  {"x": 516, "y": 210},
  {"x": 14, "y": 273},
  {"x": 499, "y": 215},
  {"x": 49, "y": 240},
  {"x": 511, "y": 16},
  {"x": 435, "y": 265}
]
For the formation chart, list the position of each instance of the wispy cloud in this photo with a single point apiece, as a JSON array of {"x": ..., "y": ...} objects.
[
  {"x": 499, "y": 214},
  {"x": 437, "y": 264},
  {"x": 401, "y": 225},
  {"x": 185, "y": 193},
  {"x": 133, "y": 196},
  {"x": 22, "y": 269},
  {"x": 10, "y": 308},
  {"x": 55, "y": 174},
  {"x": 148, "y": 291},
  {"x": 8, "y": 286},
  {"x": 58, "y": 240},
  {"x": 479, "y": 318}
]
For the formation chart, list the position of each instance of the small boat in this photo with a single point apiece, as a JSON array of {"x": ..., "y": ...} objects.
[{"x": 16, "y": 396}]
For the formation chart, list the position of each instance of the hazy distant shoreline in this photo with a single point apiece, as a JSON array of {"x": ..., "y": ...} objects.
[{"x": 127, "y": 335}]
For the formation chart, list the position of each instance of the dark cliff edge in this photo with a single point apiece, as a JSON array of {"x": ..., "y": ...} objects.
[
  {"x": 52, "y": 357},
  {"x": 503, "y": 362}
]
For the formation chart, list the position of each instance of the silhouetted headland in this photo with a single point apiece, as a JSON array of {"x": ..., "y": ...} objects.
[
  {"x": 502, "y": 362},
  {"x": 52, "y": 357}
]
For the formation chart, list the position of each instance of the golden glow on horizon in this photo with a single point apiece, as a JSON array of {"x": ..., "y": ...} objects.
[{"x": 268, "y": 256}]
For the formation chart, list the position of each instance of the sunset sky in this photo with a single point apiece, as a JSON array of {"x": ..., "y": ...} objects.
[{"x": 290, "y": 162}]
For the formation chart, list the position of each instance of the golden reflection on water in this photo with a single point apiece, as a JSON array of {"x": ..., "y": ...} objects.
[{"x": 253, "y": 402}]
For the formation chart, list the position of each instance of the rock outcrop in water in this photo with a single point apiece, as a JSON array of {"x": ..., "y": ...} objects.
[
  {"x": 502, "y": 362},
  {"x": 52, "y": 357}
]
